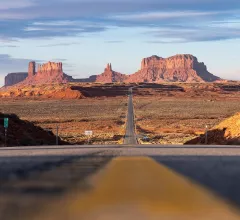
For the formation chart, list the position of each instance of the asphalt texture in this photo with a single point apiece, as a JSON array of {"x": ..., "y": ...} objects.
[
  {"x": 130, "y": 135},
  {"x": 33, "y": 177}
]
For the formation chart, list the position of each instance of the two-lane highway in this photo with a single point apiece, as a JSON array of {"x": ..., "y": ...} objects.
[{"x": 130, "y": 135}]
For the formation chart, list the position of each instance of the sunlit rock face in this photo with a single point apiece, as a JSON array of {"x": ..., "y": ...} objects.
[
  {"x": 48, "y": 73},
  {"x": 109, "y": 76},
  {"x": 179, "y": 68}
]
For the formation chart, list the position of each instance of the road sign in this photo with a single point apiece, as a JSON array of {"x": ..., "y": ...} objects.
[
  {"x": 5, "y": 122},
  {"x": 88, "y": 133}
]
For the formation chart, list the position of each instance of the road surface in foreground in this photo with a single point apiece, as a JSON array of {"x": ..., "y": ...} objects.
[{"x": 120, "y": 182}]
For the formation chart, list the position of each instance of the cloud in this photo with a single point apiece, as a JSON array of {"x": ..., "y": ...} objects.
[
  {"x": 24, "y": 19},
  {"x": 60, "y": 44},
  {"x": 12, "y": 64},
  {"x": 114, "y": 41},
  {"x": 15, "y": 4},
  {"x": 192, "y": 34},
  {"x": 9, "y": 46},
  {"x": 166, "y": 15}
]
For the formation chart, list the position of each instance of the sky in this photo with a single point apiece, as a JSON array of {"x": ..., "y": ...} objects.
[{"x": 87, "y": 34}]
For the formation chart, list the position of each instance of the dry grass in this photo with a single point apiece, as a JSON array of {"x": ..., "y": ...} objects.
[
  {"x": 177, "y": 120},
  {"x": 104, "y": 116}
]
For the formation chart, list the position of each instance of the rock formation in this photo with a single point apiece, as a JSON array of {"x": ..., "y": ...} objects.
[
  {"x": 50, "y": 67},
  {"x": 25, "y": 133},
  {"x": 31, "y": 69},
  {"x": 48, "y": 73},
  {"x": 14, "y": 78},
  {"x": 179, "y": 68},
  {"x": 109, "y": 76}
]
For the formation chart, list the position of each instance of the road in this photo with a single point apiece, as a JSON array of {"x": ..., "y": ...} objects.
[
  {"x": 130, "y": 136},
  {"x": 192, "y": 182}
]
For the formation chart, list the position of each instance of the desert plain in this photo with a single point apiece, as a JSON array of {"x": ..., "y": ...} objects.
[{"x": 165, "y": 113}]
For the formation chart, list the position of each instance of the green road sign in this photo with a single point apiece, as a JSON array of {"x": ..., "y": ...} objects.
[{"x": 5, "y": 122}]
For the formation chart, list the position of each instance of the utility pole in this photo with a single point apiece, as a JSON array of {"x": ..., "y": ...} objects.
[
  {"x": 206, "y": 135},
  {"x": 57, "y": 136},
  {"x": 5, "y": 142}
]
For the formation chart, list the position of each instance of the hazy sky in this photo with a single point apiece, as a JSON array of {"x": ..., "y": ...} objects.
[{"x": 87, "y": 34}]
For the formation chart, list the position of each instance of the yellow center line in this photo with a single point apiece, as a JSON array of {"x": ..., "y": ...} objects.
[{"x": 141, "y": 188}]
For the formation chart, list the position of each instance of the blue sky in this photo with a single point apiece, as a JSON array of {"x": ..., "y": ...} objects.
[{"x": 87, "y": 34}]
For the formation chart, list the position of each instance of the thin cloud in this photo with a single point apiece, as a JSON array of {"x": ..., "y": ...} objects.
[
  {"x": 11, "y": 64},
  {"x": 9, "y": 46},
  {"x": 15, "y": 4},
  {"x": 114, "y": 41},
  {"x": 33, "y": 19},
  {"x": 165, "y": 15},
  {"x": 192, "y": 34}
]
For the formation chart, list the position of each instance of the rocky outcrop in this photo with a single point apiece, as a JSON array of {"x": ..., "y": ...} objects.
[
  {"x": 109, "y": 76},
  {"x": 227, "y": 133},
  {"x": 31, "y": 69},
  {"x": 179, "y": 68},
  {"x": 48, "y": 73},
  {"x": 14, "y": 78},
  {"x": 25, "y": 133},
  {"x": 50, "y": 67}
]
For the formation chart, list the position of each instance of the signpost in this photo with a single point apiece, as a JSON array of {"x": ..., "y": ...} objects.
[
  {"x": 88, "y": 133},
  {"x": 5, "y": 122},
  {"x": 6, "y": 127}
]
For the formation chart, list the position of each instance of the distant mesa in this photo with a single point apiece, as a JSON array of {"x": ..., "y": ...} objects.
[
  {"x": 179, "y": 68},
  {"x": 14, "y": 78},
  {"x": 154, "y": 69},
  {"x": 47, "y": 73}
]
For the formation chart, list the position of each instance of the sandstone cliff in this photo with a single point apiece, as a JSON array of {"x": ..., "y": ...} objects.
[
  {"x": 179, "y": 68},
  {"x": 109, "y": 76},
  {"x": 48, "y": 73},
  {"x": 31, "y": 69},
  {"x": 14, "y": 78}
]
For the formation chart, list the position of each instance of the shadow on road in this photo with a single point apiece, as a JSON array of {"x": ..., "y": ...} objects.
[{"x": 219, "y": 174}]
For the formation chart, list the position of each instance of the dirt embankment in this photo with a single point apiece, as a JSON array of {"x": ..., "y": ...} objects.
[
  {"x": 227, "y": 132},
  {"x": 41, "y": 92},
  {"x": 24, "y": 133}
]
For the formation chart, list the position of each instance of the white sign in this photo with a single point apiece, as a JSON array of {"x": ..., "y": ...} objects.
[{"x": 88, "y": 133}]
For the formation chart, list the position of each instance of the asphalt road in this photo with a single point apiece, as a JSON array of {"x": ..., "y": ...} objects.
[
  {"x": 33, "y": 177},
  {"x": 130, "y": 136}
]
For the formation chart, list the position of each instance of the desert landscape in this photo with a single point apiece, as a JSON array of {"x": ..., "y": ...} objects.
[
  {"x": 175, "y": 100},
  {"x": 102, "y": 109},
  {"x": 178, "y": 113}
]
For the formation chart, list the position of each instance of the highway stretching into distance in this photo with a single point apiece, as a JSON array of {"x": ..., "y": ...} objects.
[
  {"x": 130, "y": 136},
  {"x": 120, "y": 181}
]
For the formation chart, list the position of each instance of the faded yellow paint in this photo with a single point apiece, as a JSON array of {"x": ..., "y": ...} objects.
[{"x": 139, "y": 187}]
